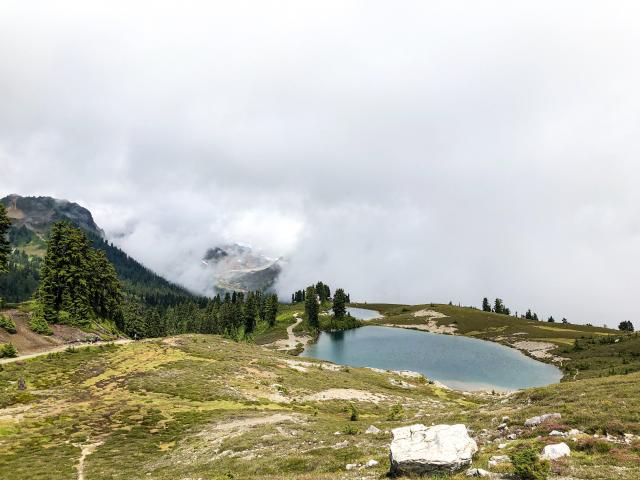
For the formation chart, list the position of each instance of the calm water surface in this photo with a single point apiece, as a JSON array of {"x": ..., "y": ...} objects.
[
  {"x": 363, "y": 313},
  {"x": 457, "y": 361}
]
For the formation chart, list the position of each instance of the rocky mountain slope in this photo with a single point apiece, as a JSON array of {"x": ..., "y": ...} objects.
[
  {"x": 232, "y": 267},
  {"x": 36, "y": 214},
  {"x": 31, "y": 219},
  {"x": 238, "y": 267}
]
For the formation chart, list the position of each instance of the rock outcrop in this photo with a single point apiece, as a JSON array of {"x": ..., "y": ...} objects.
[
  {"x": 555, "y": 451},
  {"x": 533, "y": 421},
  {"x": 420, "y": 450}
]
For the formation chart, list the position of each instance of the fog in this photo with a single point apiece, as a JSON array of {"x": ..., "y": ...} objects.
[{"x": 408, "y": 152}]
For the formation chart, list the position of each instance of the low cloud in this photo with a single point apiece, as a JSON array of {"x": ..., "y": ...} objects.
[{"x": 427, "y": 152}]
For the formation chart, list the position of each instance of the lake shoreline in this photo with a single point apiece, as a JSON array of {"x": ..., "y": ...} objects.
[{"x": 505, "y": 368}]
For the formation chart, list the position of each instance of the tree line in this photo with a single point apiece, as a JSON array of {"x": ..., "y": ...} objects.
[
  {"x": 78, "y": 285},
  {"x": 500, "y": 307},
  {"x": 321, "y": 289}
]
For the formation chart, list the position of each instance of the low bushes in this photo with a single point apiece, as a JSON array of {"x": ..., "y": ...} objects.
[
  {"x": 528, "y": 466},
  {"x": 8, "y": 324},
  {"x": 8, "y": 350},
  {"x": 38, "y": 324}
]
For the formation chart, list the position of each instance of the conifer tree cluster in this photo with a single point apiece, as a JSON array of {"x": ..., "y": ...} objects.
[
  {"x": 498, "y": 306},
  {"x": 531, "y": 316},
  {"x": 321, "y": 289},
  {"x": 235, "y": 315},
  {"x": 77, "y": 283}
]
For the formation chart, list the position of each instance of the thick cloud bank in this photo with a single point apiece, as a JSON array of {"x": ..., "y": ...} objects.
[{"x": 421, "y": 151}]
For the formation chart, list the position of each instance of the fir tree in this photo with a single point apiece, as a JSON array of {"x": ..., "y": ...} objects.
[
  {"x": 339, "y": 303},
  {"x": 311, "y": 307},
  {"x": 5, "y": 247},
  {"x": 272, "y": 309},
  {"x": 250, "y": 314},
  {"x": 486, "y": 306}
]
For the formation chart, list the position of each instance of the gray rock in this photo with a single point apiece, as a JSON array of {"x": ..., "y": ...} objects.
[
  {"x": 498, "y": 459},
  {"x": 421, "y": 450},
  {"x": 371, "y": 463},
  {"x": 533, "y": 421},
  {"x": 372, "y": 429},
  {"x": 478, "y": 472},
  {"x": 555, "y": 451}
]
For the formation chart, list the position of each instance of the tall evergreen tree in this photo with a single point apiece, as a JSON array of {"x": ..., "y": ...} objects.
[
  {"x": 250, "y": 314},
  {"x": 339, "y": 303},
  {"x": 5, "y": 246},
  {"x": 311, "y": 307},
  {"x": 272, "y": 309},
  {"x": 486, "y": 306},
  {"x": 77, "y": 282}
]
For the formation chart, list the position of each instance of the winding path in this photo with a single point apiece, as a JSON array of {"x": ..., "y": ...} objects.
[
  {"x": 62, "y": 348},
  {"x": 292, "y": 341}
]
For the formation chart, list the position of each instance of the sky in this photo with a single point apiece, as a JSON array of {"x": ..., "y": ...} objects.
[{"x": 409, "y": 152}]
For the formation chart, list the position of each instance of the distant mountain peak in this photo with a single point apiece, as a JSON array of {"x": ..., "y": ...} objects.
[
  {"x": 237, "y": 267},
  {"x": 39, "y": 213}
]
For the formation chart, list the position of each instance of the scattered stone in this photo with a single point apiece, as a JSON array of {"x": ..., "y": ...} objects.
[
  {"x": 533, "y": 421},
  {"x": 22, "y": 384},
  {"x": 505, "y": 419},
  {"x": 371, "y": 463},
  {"x": 372, "y": 429},
  {"x": 498, "y": 459},
  {"x": 512, "y": 436},
  {"x": 557, "y": 433},
  {"x": 502, "y": 446},
  {"x": 575, "y": 431},
  {"x": 555, "y": 451},
  {"x": 420, "y": 450},
  {"x": 340, "y": 445},
  {"x": 478, "y": 472},
  {"x": 351, "y": 466},
  {"x": 408, "y": 374},
  {"x": 502, "y": 426}
]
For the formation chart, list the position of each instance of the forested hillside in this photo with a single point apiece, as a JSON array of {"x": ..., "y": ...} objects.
[{"x": 31, "y": 221}]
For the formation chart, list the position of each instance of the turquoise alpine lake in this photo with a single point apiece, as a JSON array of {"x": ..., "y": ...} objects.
[
  {"x": 363, "y": 313},
  {"x": 459, "y": 362}
]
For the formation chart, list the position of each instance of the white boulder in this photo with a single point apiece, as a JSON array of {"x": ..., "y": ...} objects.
[
  {"x": 372, "y": 429},
  {"x": 555, "y": 451},
  {"x": 420, "y": 450},
  {"x": 533, "y": 421}
]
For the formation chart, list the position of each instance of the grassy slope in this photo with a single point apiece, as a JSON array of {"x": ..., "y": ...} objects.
[
  {"x": 200, "y": 406},
  {"x": 596, "y": 359}
]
